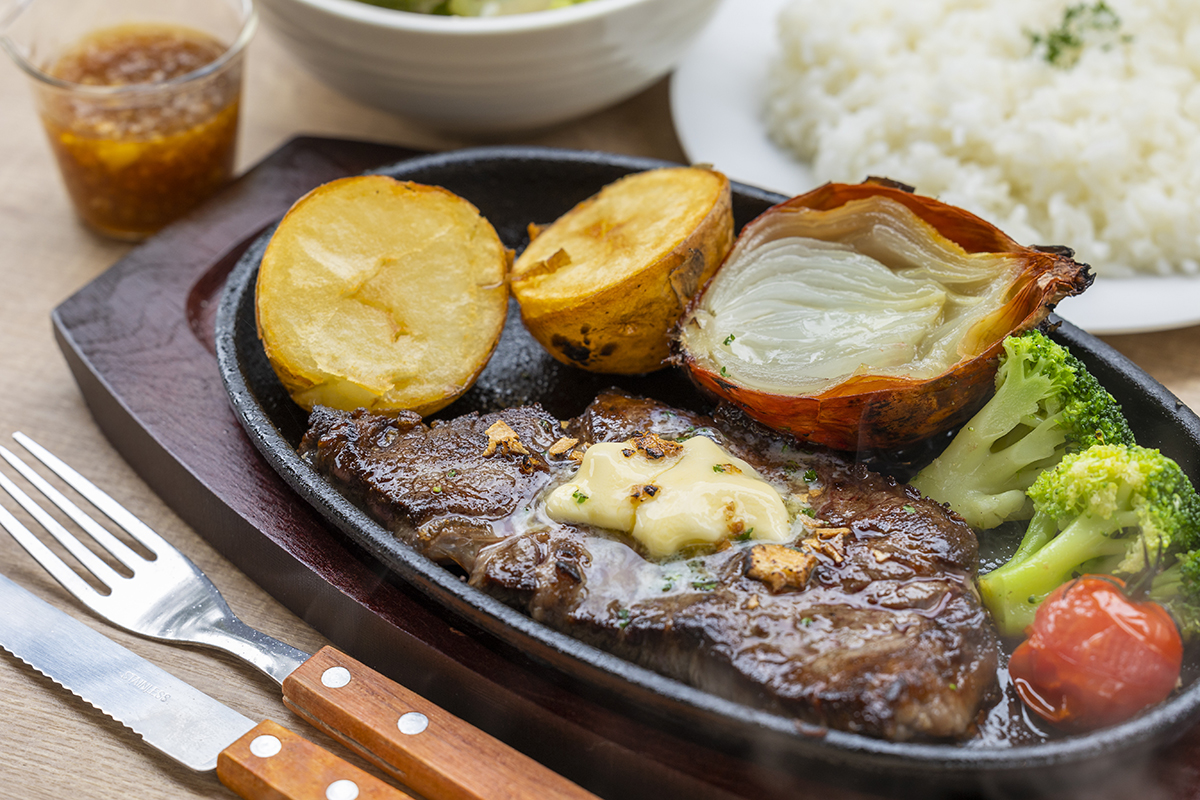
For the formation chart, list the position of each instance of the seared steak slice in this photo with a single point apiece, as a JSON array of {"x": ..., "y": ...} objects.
[
  {"x": 869, "y": 623},
  {"x": 433, "y": 486}
]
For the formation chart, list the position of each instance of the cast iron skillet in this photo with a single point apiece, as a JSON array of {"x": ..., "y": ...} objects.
[{"x": 513, "y": 187}]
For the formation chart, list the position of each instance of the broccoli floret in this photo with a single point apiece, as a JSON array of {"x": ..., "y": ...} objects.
[
  {"x": 1177, "y": 588},
  {"x": 1112, "y": 508},
  {"x": 1046, "y": 405}
]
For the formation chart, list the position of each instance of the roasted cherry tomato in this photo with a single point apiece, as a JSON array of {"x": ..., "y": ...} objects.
[{"x": 1095, "y": 657}]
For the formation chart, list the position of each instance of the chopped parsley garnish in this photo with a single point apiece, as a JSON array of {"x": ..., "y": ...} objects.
[
  {"x": 724, "y": 372},
  {"x": 623, "y": 616},
  {"x": 729, "y": 339},
  {"x": 808, "y": 512},
  {"x": 705, "y": 586},
  {"x": 1081, "y": 24},
  {"x": 579, "y": 497},
  {"x": 810, "y": 475},
  {"x": 910, "y": 509}
]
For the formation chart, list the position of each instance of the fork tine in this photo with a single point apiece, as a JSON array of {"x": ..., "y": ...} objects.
[
  {"x": 103, "y": 537},
  {"x": 68, "y": 540},
  {"x": 42, "y": 554},
  {"x": 97, "y": 497}
]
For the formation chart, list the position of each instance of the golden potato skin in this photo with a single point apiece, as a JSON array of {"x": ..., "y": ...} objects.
[
  {"x": 381, "y": 294},
  {"x": 602, "y": 286}
]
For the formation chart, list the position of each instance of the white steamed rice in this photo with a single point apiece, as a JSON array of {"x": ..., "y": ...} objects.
[{"x": 950, "y": 97}]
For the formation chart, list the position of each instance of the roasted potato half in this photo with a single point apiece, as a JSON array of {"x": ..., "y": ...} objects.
[
  {"x": 379, "y": 294},
  {"x": 601, "y": 287}
]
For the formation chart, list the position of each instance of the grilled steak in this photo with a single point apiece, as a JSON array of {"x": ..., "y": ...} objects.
[{"x": 869, "y": 622}]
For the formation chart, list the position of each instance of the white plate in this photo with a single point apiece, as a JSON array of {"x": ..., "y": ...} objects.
[{"x": 716, "y": 100}]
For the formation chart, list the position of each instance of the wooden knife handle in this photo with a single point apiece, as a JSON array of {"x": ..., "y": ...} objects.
[
  {"x": 272, "y": 763},
  {"x": 426, "y": 748}
]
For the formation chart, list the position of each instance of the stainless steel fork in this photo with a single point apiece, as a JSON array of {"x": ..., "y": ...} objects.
[{"x": 167, "y": 597}]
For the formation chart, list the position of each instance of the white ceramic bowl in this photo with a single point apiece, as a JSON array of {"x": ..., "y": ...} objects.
[{"x": 489, "y": 74}]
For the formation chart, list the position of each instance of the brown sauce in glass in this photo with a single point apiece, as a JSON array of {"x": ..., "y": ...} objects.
[
  {"x": 135, "y": 162},
  {"x": 136, "y": 54}
]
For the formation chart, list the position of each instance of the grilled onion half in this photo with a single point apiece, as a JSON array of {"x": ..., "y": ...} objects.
[{"x": 865, "y": 316}]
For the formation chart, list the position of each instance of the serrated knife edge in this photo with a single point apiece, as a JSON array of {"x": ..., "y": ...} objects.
[{"x": 181, "y": 721}]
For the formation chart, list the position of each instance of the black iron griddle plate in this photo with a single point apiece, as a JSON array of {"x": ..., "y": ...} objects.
[{"x": 513, "y": 187}]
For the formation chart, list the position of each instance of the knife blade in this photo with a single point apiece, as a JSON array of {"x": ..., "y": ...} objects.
[{"x": 259, "y": 761}]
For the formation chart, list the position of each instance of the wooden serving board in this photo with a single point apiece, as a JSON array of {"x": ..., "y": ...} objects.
[{"x": 139, "y": 342}]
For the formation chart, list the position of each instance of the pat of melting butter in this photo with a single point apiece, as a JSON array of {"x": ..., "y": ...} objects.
[{"x": 670, "y": 495}]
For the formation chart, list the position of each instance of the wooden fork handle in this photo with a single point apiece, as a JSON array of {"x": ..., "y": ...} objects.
[{"x": 431, "y": 751}]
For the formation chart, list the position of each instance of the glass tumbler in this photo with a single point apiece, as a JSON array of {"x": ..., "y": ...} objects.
[{"x": 139, "y": 99}]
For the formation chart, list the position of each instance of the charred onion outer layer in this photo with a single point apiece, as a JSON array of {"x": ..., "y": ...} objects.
[{"x": 878, "y": 409}]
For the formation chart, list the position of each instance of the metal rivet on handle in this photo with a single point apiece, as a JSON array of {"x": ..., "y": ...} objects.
[
  {"x": 412, "y": 723},
  {"x": 342, "y": 790},
  {"x": 266, "y": 746},
  {"x": 335, "y": 677}
]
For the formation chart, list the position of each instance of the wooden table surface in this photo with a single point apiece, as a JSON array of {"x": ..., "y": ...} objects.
[{"x": 53, "y": 745}]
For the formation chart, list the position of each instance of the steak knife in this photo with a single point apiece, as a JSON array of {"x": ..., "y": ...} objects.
[{"x": 262, "y": 761}]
